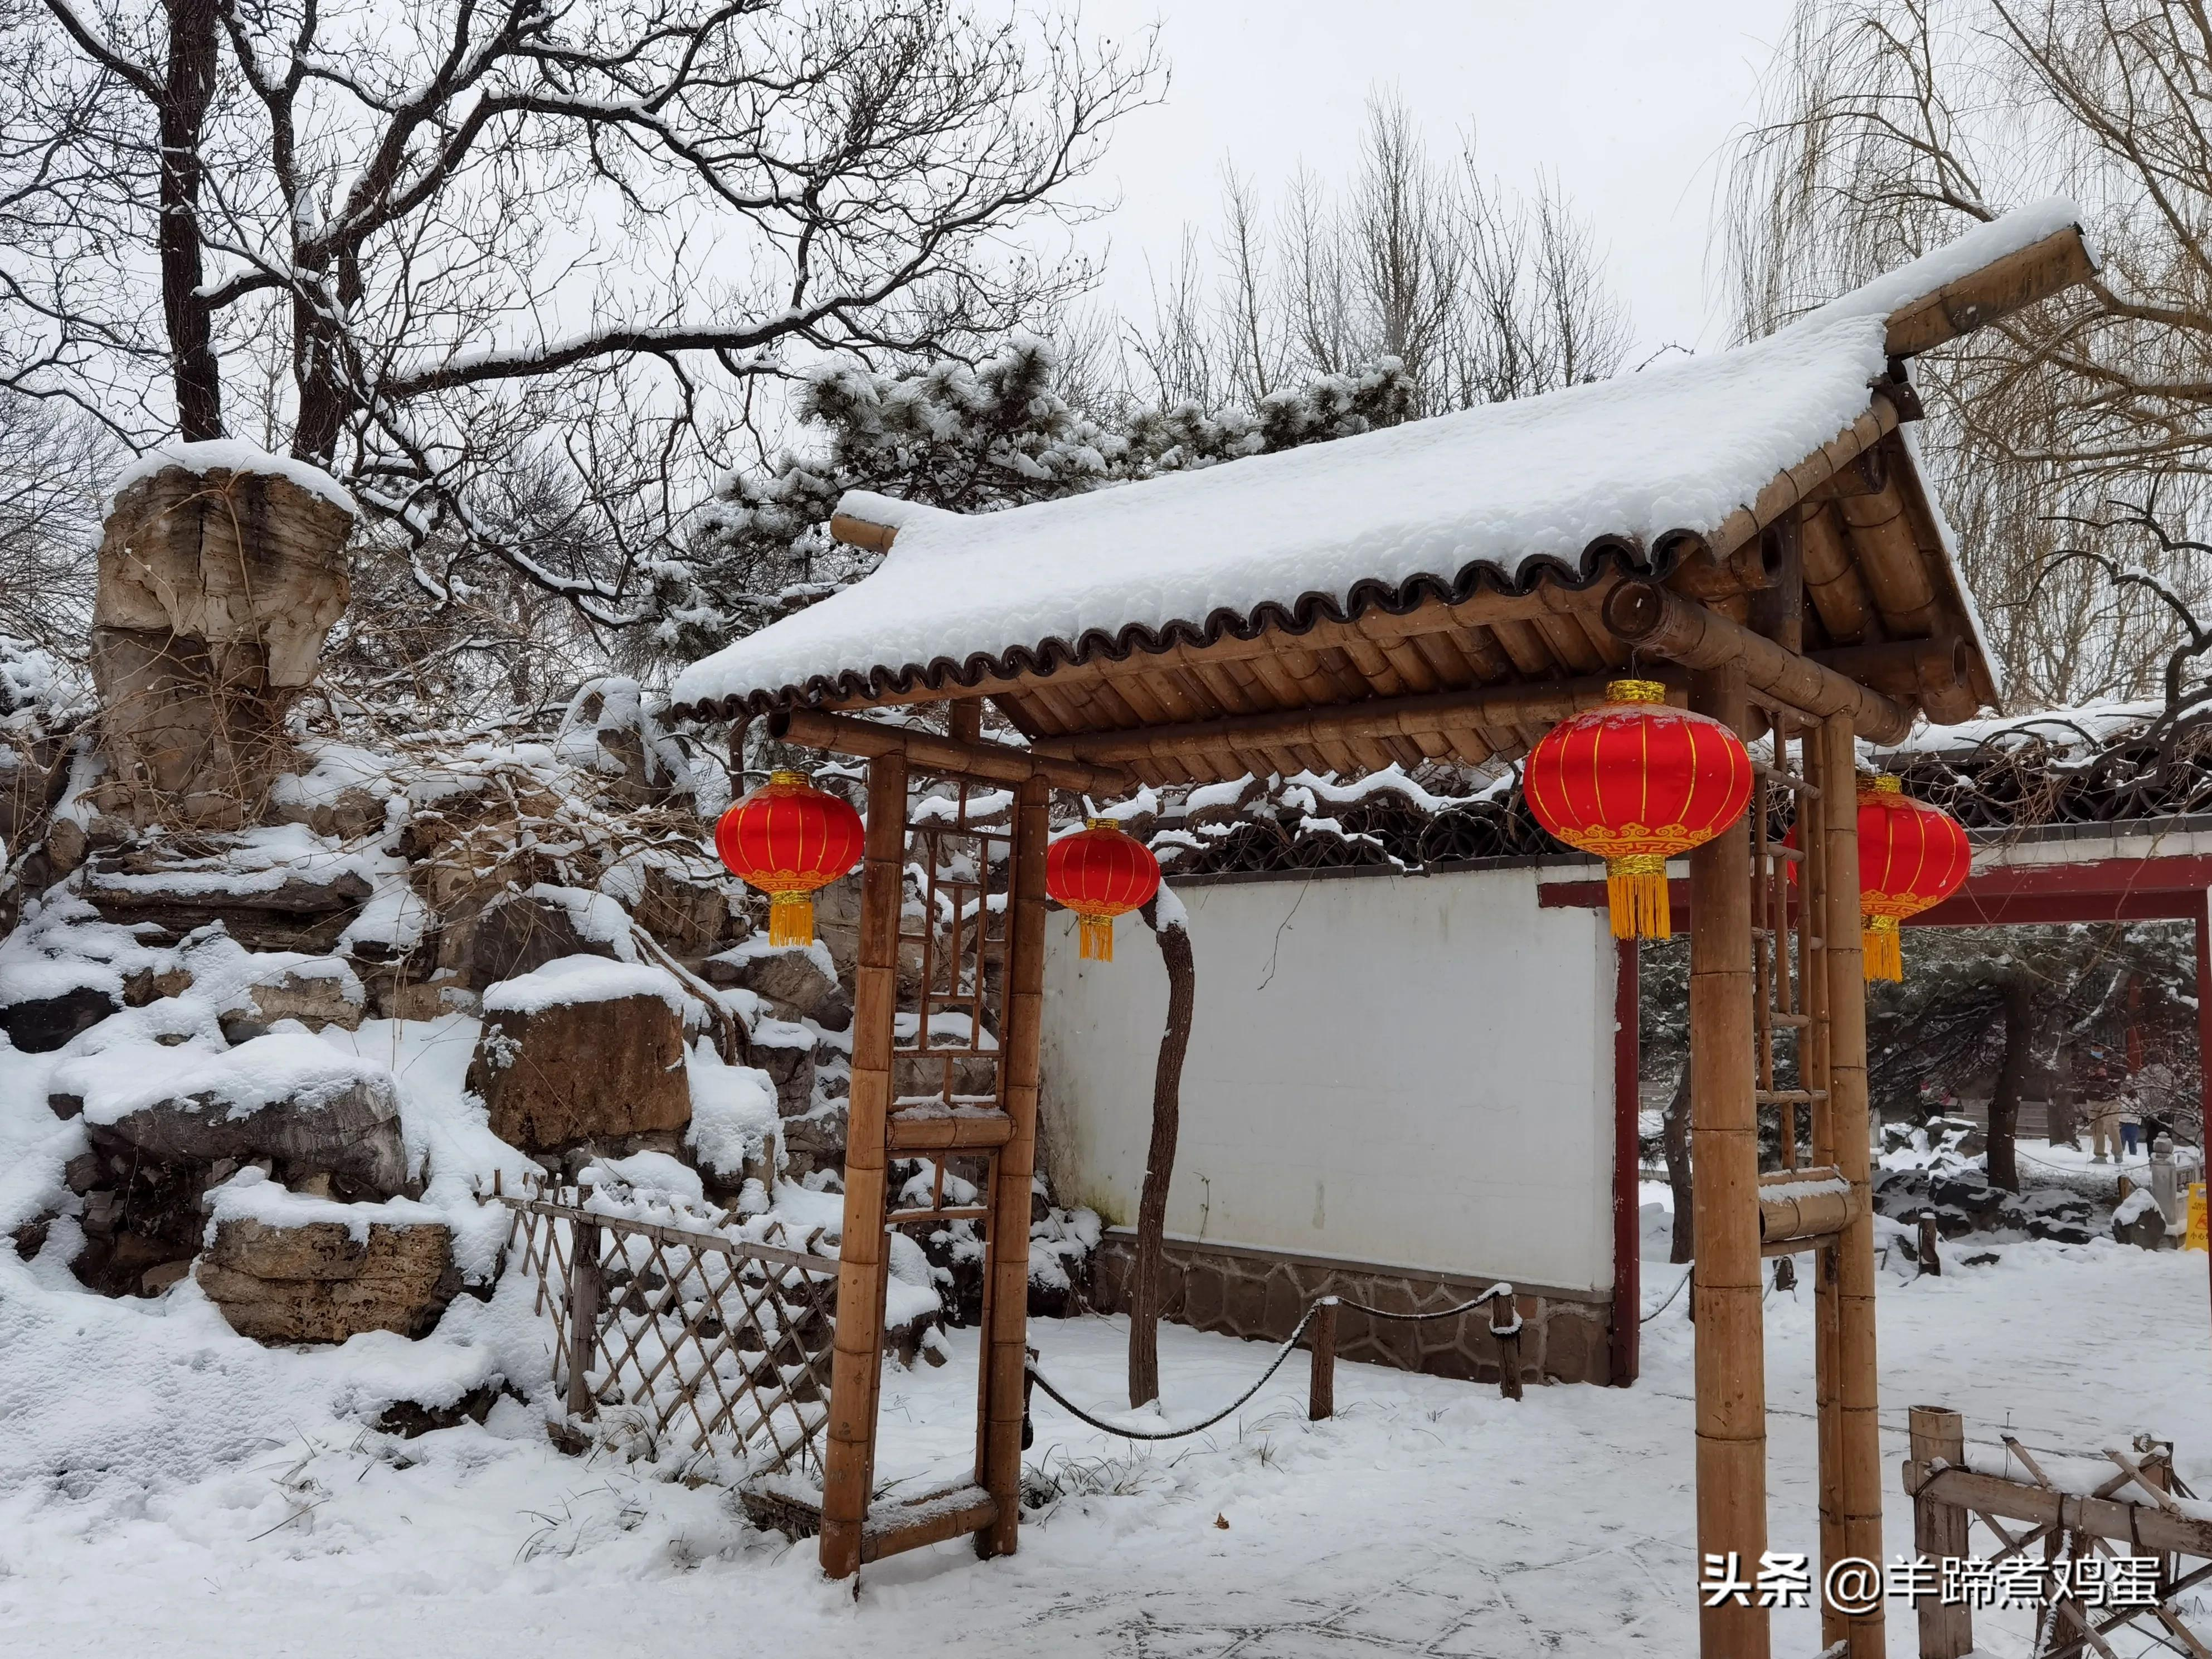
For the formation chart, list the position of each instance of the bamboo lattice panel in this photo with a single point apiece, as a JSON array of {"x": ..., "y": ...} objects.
[{"x": 700, "y": 1342}]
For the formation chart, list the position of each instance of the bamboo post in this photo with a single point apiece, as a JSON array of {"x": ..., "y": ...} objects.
[
  {"x": 1007, "y": 1267},
  {"x": 856, "y": 1365},
  {"x": 1858, "y": 1385},
  {"x": 584, "y": 1289},
  {"x": 1727, "y": 1282},
  {"x": 1931, "y": 1265},
  {"x": 1812, "y": 941},
  {"x": 1940, "y": 1530},
  {"x": 1505, "y": 1333},
  {"x": 1320, "y": 1390}
]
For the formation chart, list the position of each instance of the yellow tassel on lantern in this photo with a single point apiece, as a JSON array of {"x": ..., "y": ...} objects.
[
  {"x": 791, "y": 919},
  {"x": 1636, "y": 896},
  {"x": 1882, "y": 942},
  {"x": 1095, "y": 939}
]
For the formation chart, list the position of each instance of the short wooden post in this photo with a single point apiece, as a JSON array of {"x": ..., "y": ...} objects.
[
  {"x": 585, "y": 1283},
  {"x": 1931, "y": 1264},
  {"x": 1940, "y": 1529},
  {"x": 1006, "y": 1337},
  {"x": 1321, "y": 1338},
  {"x": 856, "y": 1364},
  {"x": 1505, "y": 1333},
  {"x": 1858, "y": 1395},
  {"x": 1727, "y": 1283}
]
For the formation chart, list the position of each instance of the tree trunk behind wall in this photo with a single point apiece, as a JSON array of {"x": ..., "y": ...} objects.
[
  {"x": 2012, "y": 1082},
  {"x": 1675, "y": 1140},
  {"x": 1146, "y": 1272}
]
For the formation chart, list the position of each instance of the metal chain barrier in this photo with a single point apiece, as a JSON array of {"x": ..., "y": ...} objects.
[{"x": 1289, "y": 1347}]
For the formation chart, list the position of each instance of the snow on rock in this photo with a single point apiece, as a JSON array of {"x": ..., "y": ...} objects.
[
  {"x": 252, "y": 1195},
  {"x": 583, "y": 979},
  {"x": 229, "y": 455},
  {"x": 2135, "y": 1205},
  {"x": 652, "y": 1174},
  {"x": 798, "y": 982},
  {"x": 583, "y": 1050},
  {"x": 598, "y": 918},
  {"x": 287, "y": 1097},
  {"x": 734, "y": 1113},
  {"x": 1679, "y": 446},
  {"x": 294, "y": 1070}
]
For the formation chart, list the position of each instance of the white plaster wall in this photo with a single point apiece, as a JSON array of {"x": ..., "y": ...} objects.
[{"x": 1410, "y": 1071}]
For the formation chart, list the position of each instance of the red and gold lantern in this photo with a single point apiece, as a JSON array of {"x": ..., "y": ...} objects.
[
  {"x": 1912, "y": 855},
  {"x": 789, "y": 839},
  {"x": 1636, "y": 783},
  {"x": 1100, "y": 873}
]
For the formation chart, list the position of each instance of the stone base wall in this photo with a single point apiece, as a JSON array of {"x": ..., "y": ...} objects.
[{"x": 1247, "y": 1292}]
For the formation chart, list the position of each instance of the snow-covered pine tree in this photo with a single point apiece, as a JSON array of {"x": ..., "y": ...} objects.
[{"x": 971, "y": 439}]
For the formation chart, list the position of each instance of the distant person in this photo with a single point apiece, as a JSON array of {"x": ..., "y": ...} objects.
[
  {"x": 2131, "y": 1124},
  {"x": 2101, "y": 1087}
]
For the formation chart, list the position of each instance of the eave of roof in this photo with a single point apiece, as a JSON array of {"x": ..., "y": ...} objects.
[{"x": 1326, "y": 550}]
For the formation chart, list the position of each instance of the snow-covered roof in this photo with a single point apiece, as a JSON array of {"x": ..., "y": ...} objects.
[
  {"x": 1971, "y": 251},
  {"x": 1559, "y": 489},
  {"x": 1512, "y": 486}
]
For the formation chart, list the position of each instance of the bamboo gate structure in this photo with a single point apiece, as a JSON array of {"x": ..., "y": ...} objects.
[{"x": 1826, "y": 609}]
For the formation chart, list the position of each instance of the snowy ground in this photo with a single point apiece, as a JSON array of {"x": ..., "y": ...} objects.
[{"x": 1430, "y": 1517}]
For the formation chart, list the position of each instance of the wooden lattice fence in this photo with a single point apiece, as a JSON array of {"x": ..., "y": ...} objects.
[
  {"x": 2097, "y": 1562},
  {"x": 690, "y": 1339}
]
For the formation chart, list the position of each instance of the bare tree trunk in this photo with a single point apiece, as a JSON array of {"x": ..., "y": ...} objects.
[
  {"x": 1145, "y": 1273},
  {"x": 185, "y": 94},
  {"x": 1675, "y": 1140},
  {"x": 2012, "y": 1080}
]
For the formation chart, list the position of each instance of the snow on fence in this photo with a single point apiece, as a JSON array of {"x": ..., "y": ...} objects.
[
  {"x": 2109, "y": 1560},
  {"x": 682, "y": 1333}
]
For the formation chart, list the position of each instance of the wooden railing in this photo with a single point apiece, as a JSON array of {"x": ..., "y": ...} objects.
[
  {"x": 691, "y": 1337},
  {"x": 2069, "y": 1524}
]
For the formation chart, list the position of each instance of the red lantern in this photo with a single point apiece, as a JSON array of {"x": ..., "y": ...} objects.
[
  {"x": 1912, "y": 855},
  {"x": 1100, "y": 873},
  {"x": 1636, "y": 783},
  {"x": 788, "y": 838}
]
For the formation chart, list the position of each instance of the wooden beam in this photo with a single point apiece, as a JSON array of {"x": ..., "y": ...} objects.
[
  {"x": 1856, "y": 1427},
  {"x": 1494, "y": 708},
  {"x": 1788, "y": 491},
  {"x": 1833, "y": 582},
  {"x": 1785, "y": 1213},
  {"x": 1006, "y": 1260},
  {"x": 1626, "y": 1326},
  {"x": 1939, "y": 1532},
  {"x": 1897, "y": 669},
  {"x": 1648, "y": 616},
  {"x": 857, "y": 1360},
  {"x": 913, "y": 1133},
  {"x": 1815, "y": 1073},
  {"x": 2153, "y": 1530},
  {"x": 1997, "y": 290},
  {"x": 1890, "y": 555},
  {"x": 862, "y": 533},
  {"x": 1726, "y": 1281},
  {"x": 932, "y": 1520},
  {"x": 942, "y": 757}
]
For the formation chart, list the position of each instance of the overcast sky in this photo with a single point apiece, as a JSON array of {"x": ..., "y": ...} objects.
[{"x": 1630, "y": 104}]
